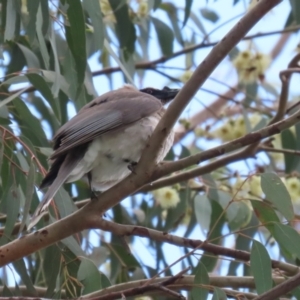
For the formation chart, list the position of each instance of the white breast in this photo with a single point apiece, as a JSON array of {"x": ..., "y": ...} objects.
[{"x": 108, "y": 156}]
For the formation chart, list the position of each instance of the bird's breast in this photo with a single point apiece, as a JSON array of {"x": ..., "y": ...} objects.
[{"x": 108, "y": 157}]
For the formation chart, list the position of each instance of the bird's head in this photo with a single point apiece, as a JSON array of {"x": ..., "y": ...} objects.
[{"x": 165, "y": 95}]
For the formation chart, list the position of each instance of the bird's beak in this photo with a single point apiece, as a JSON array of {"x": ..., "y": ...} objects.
[{"x": 165, "y": 95}]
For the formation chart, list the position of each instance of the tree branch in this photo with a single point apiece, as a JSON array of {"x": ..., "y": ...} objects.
[{"x": 145, "y": 168}]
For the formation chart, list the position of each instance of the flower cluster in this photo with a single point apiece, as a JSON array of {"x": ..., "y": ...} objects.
[
  {"x": 251, "y": 66},
  {"x": 247, "y": 189},
  {"x": 166, "y": 197},
  {"x": 293, "y": 186},
  {"x": 143, "y": 9},
  {"x": 106, "y": 9},
  {"x": 235, "y": 128},
  {"x": 185, "y": 77}
]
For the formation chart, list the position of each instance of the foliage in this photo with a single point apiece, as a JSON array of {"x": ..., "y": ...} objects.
[{"x": 48, "y": 52}]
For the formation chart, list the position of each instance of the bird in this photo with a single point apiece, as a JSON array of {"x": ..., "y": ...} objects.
[{"x": 105, "y": 140}]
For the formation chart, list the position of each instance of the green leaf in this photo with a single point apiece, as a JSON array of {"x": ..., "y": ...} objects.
[
  {"x": 11, "y": 17},
  {"x": 288, "y": 238},
  {"x": 40, "y": 84},
  {"x": 91, "y": 278},
  {"x": 64, "y": 203},
  {"x": 269, "y": 88},
  {"x": 198, "y": 23},
  {"x": 171, "y": 10},
  {"x": 288, "y": 141},
  {"x": 118, "y": 61},
  {"x": 165, "y": 36},
  {"x": 51, "y": 76},
  {"x": 75, "y": 34},
  {"x": 30, "y": 125},
  {"x": 71, "y": 266},
  {"x": 124, "y": 27},
  {"x": 12, "y": 97},
  {"x": 187, "y": 10},
  {"x": 28, "y": 195},
  {"x": 209, "y": 14},
  {"x": 203, "y": 211},
  {"x": 251, "y": 90},
  {"x": 20, "y": 267},
  {"x": 94, "y": 11},
  {"x": 295, "y": 5},
  {"x": 201, "y": 277},
  {"x": 32, "y": 8},
  {"x": 265, "y": 213},
  {"x": 51, "y": 265},
  {"x": 12, "y": 202},
  {"x": 56, "y": 84},
  {"x": 219, "y": 294},
  {"x": 46, "y": 16},
  {"x": 6, "y": 292},
  {"x": 277, "y": 193},
  {"x": 261, "y": 267},
  {"x": 41, "y": 38},
  {"x": 31, "y": 59},
  {"x": 238, "y": 213},
  {"x": 156, "y": 4}
]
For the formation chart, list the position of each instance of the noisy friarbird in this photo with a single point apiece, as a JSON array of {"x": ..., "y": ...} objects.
[{"x": 105, "y": 140}]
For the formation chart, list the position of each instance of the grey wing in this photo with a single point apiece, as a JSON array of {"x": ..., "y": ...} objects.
[{"x": 99, "y": 118}]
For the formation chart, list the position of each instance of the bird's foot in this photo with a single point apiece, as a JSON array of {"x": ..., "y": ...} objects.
[
  {"x": 95, "y": 195},
  {"x": 132, "y": 166}
]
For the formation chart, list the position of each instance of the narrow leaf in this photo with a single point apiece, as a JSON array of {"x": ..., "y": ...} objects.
[
  {"x": 12, "y": 202},
  {"x": 32, "y": 8},
  {"x": 295, "y": 4},
  {"x": 124, "y": 28},
  {"x": 94, "y": 11},
  {"x": 41, "y": 39},
  {"x": 165, "y": 36},
  {"x": 187, "y": 10},
  {"x": 288, "y": 238},
  {"x": 31, "y": 58},
  {"x": 261, "y": 267},
  {"x": 75, "y": 34},
  {"x": 11, "y": 17},
  {"x": 51, "y": 265},
  {"x": 12, "y": 97},
  {"x": 209, "y": 14},
  {"x": 201, "y": 277},
  {"x": 28, "y": 194},
  {"x": 203, "y": 211},
  {"x": 91, "y": 278},
  {"x": 219, "y": 294},
  {"x": 20, "y": 267},
  {"x": 277, "y": 193}
]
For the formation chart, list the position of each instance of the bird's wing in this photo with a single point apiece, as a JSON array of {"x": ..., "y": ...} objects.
[{"x": 104, "y": 114}]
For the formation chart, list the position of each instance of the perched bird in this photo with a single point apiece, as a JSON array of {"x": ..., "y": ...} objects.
[{"x": 105, "y": 140}]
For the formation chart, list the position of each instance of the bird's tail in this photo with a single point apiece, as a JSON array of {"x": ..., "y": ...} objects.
[{"x": 65, "y": 170}]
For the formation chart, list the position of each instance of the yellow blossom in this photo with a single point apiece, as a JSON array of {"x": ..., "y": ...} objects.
[
  {"x": 107, "y": 11},
  {"x": 277, "y": 157},
  {"x": 142, "y": 9},
  {"x": 251, "y": 66},
  {"x": 186, "y": 76},
  {"x": 293, "y": 186},
  {"x": 187, "y": 216},
  {"x": 240, "y": 189},
  {"x": 255, "y": 186},
  {"x": 166, "y": 197},
  {"x": 252, "y": 4}
]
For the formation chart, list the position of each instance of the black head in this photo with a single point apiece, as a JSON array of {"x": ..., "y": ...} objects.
[{"x": 165, "y": 95}]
